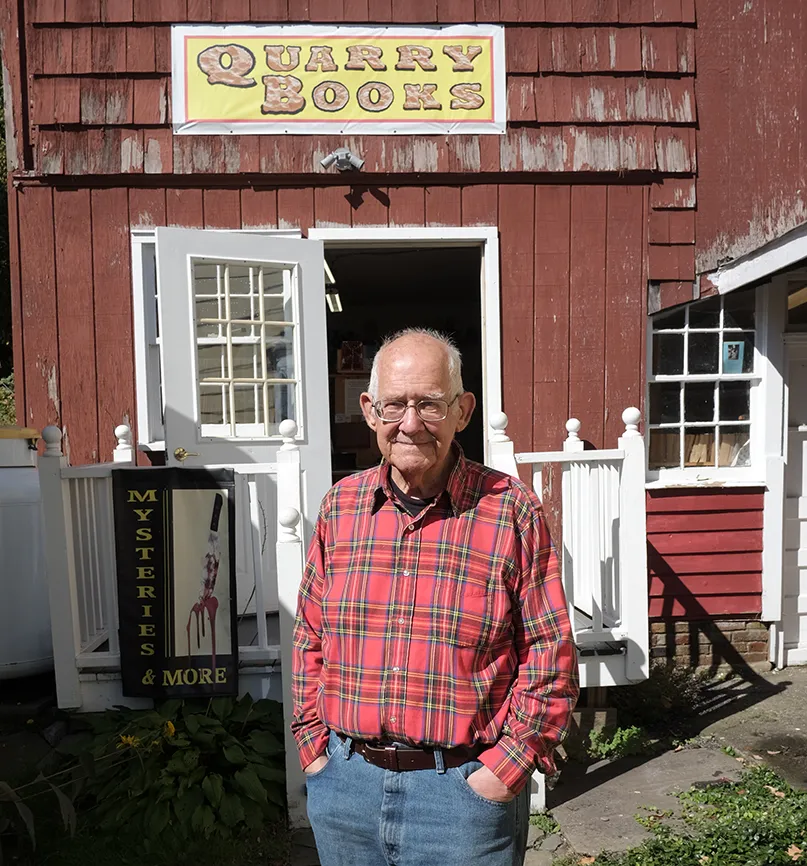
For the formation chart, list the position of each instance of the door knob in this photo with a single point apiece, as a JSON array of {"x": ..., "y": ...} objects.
[{"x": 181, "y": 454}]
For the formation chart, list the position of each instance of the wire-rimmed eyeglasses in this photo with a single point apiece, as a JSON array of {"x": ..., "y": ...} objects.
[{"x": 430, "y": 410}]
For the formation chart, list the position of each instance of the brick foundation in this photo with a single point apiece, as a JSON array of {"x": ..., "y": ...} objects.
[{"x": 710, "y": 643}]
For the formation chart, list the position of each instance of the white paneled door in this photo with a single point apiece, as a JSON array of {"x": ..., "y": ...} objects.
[
  {"x": 244, "y": 348},
  {"x": 795, "y": 556}
]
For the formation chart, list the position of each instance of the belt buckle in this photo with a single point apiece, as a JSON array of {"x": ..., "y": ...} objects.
[{"x": 391, "y": 757}]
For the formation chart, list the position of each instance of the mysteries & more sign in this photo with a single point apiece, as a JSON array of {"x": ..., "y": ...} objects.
[{"x": 175, "y": 550}]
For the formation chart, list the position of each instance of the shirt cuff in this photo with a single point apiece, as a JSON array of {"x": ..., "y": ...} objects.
[
  {"x": 311, "y": 743},
  {"x": 513, "y": 763}
]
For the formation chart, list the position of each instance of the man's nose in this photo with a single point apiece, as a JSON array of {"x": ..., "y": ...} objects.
[{"x": 411, "y": 421}]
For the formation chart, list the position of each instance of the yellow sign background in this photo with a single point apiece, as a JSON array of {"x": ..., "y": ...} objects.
[{"x": 222, "y": 102}]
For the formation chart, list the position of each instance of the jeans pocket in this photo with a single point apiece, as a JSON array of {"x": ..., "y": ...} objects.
[
  {"x": 334, "y": 747},
  {"x": 461, "y": 775}
]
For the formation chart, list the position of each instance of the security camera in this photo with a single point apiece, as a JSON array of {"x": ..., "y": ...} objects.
[{"x": 343, "y": 159}]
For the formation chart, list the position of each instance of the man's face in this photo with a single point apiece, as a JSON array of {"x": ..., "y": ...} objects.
[{"x": 411, "y": 369}]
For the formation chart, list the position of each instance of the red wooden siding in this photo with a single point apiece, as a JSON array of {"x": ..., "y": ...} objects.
[
  {"x": 614, "y": 95},
  {"x": 705, "y": 553},
  {"x": 752, "y": 177},
  {"x": 66, "y": 347}
]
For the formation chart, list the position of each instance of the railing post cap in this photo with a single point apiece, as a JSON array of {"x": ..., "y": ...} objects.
[
  {"x": 288, "y": 431},
  {"x": 498, "y": 421},
  {"x": 631, "y": 417},
  {"x": 52, "y": 435},
  {"x": 288, "y": 517},
  {"x": 123, "y": 433},
  {"x": 573, "y": 426}
]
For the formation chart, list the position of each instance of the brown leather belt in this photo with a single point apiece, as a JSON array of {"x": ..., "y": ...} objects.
[{"x": 402, "y": 758}]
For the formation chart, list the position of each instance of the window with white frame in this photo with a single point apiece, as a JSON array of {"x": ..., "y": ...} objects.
[
  {"x": 246, "y": 365},
  {"x": 704, "y": 370},
  {"x": 246, "y": 327}
]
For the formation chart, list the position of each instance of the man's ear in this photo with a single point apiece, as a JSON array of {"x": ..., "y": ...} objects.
[
  {"x": 366, "y": 402},
  {"x": 467, "y": 404}
]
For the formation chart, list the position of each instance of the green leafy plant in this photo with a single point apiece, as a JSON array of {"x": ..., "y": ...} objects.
[
  {"x": 186, "y": 770},
  {"x": 618, "y": 743},
  {"x": 758, "y": 821}
]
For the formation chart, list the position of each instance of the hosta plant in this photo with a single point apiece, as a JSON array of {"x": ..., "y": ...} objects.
[{"x": 185, "y": 770}]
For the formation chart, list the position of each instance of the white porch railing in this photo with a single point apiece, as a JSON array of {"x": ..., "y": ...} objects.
[
  {"x": 603, "y": 546},
  {"x": 82, "y": 580}
]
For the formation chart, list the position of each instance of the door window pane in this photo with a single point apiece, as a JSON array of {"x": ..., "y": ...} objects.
[
  {"x": 668, "y": 354},
  {"x": 699, "y": 401},
  {"x": 735, "y": 401},
  {"x": 665, "y": 402},
  {"x": 702, "y": 354},
  {"x": 735, "y": 446},
  {"x": 699, "y": 447},
  {"x": 246, "y": 332}
]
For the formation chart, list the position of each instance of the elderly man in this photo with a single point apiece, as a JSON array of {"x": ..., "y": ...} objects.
[{"x": 434, "y": 667}]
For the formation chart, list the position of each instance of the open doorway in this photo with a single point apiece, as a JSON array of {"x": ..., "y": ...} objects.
[{"x": 378, "y": 290}]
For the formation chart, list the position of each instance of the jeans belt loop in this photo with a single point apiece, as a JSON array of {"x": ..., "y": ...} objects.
[
  {"x": 439, "y": 764},
  {"x": 391, "y": 757},
  {"x": 348, "y": 747}
]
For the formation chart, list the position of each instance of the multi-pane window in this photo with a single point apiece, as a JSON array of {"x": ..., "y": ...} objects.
[
  {"x": 702, "y": 375},
  {"x": 246, "y": 334}
]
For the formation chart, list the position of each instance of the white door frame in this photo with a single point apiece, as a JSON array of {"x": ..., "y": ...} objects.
[{"x": 486, "y": 237}]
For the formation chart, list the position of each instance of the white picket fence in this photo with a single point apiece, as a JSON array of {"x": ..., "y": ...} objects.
[
  {"x": 603, "y": 545},
  {"x": 81, "y": 568}
]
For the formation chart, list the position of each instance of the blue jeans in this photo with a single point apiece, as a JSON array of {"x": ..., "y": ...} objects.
[{"x": 362, "y": 815}]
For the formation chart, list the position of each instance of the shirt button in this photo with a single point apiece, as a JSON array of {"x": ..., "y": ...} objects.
[
  {"x": 405, "y": 573},
  {"x": 411, "y": 527},
  {"x": 401, "y": 621},
  {"x": 393, "y": 719},
  {"x": 396, "y": 669}
]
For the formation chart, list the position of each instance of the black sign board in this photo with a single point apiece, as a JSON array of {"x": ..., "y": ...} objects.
[{"x": 175, "y": 544}]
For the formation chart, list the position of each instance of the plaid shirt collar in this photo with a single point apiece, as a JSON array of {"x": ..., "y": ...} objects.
[{"x": 459, "y": 493}]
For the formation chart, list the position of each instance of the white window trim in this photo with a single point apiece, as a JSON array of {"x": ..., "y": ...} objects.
[
  {"x": 486, "y": 237},
  {"x": 713, "y": 476},
  {"x": 150, "y": 434}
]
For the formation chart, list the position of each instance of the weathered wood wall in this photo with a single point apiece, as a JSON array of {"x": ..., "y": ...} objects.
[
  {"x": 572, "y": 285},
  {"x": 705, "y": 552},
  {"x": 752, "y": 96}
]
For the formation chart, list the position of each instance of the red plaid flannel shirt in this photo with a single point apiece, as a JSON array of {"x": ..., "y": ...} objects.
[{"x": 445, "y": 629}]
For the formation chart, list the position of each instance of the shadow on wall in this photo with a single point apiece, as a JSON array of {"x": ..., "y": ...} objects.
[{"x": 699, "y": 638}]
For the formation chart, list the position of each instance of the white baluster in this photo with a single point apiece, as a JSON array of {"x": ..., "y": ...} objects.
[
  {"x": 502, "y": 451},
  {"x": 124, "y": 451},
  {"x": 633, "y": 547},
  {"x": 61, "y": 569}
]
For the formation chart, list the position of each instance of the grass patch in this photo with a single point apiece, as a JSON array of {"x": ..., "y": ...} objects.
[
  {"x": 544, "y": 821},
  {"x": 758, "y": 821}
]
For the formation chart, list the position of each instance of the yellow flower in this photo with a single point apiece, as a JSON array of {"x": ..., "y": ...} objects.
[
  {"x": 170, "y": 730},
  {"x": 128, "y": 740}
]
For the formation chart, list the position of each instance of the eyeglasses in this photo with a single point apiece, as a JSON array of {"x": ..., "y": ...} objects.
[{"x": 428, "y": 410}]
